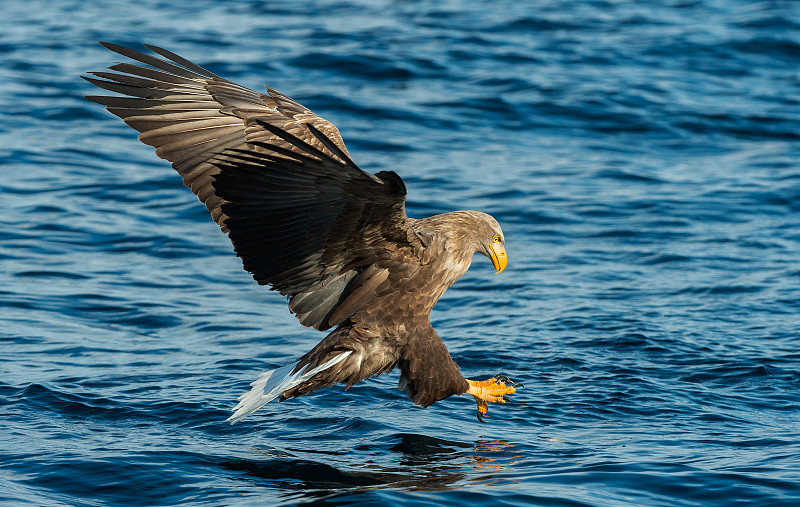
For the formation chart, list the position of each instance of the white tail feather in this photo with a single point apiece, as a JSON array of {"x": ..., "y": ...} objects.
[{"x": 271, "y": 384}]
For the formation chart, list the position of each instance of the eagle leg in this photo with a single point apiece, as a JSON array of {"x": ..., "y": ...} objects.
[{"x": 492, "y": 390}]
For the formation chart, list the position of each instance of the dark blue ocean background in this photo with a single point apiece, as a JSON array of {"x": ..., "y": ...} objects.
[{"x": 642, "y": 158}]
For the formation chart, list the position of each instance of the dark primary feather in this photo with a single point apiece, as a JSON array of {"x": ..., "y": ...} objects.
[{"x": 189, "y": 114}]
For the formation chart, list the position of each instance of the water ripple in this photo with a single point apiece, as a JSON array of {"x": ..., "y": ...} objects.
[{"x": 642, "y": 159}]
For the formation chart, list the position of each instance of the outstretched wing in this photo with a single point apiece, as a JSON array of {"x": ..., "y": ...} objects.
[{"x": 275, "y": 176}]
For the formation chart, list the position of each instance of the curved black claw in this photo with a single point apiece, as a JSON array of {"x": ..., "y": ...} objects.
[
  {"x": 507, "y": 381},
  {"x": 480, "y": 418}
]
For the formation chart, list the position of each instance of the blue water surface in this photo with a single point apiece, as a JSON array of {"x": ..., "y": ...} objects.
[{"x": 642, "y": 158}]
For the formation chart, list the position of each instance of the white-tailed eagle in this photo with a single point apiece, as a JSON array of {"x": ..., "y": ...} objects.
[{"x": 312, "y": 225}]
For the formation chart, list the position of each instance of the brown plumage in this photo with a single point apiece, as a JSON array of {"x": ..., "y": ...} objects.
[{"x": 309, "y": 223}]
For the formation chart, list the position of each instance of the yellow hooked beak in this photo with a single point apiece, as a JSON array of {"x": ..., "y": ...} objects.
[{"x": 499, "y": 258}]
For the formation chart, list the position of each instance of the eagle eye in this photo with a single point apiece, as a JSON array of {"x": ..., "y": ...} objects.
[{"x": 496, "y": 239}]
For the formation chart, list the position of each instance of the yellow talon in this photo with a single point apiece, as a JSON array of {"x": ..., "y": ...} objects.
[{"x": 490, "y": 391}]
